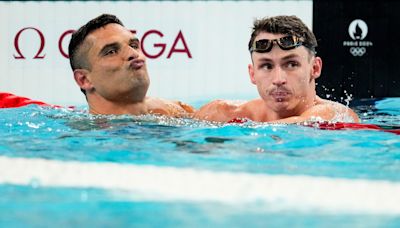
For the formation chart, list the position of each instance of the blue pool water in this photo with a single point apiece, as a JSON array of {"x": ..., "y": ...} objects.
[{"x": 68, "y": 168}]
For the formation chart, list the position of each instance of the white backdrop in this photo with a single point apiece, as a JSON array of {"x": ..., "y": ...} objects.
[{"x": 208, "y": 61}]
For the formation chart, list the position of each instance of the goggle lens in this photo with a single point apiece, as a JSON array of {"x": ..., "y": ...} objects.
[{"x": 285, "y": 43}]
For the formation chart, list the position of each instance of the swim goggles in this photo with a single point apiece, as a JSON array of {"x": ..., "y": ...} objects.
[{"x": 285, "y": 43}]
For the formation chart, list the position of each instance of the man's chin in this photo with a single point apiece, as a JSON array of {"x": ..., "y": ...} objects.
[
  {"x": 140, "y": 76},
  {"x": 279, "y": 106},
  {"x": 278, "y": 100}
]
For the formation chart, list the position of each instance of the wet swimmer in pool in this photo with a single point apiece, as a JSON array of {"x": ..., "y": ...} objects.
[
  {"x": 284, "y": 68},
  {"x": 110, "y": 68}
]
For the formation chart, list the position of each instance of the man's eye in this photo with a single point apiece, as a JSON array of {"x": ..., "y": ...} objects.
[
  {"x": 111, "y": 52},
  {"x": 292, "y": 64},
  {"x": 135, "y": 46},
  {"x": 267, "y": 66}
]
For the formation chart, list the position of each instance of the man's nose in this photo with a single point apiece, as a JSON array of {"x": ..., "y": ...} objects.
[
  {"x": 279, "y": 76},
  {"x": 132, "y": 53}
]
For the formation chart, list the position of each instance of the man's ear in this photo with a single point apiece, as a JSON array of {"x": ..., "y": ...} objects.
[
  {"x": 251, "y": 73},
  {"x": 82, "y": 79},
  {"x": 316, "y": 68}
]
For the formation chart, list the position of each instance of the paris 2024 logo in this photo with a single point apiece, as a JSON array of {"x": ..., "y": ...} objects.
[{"x": 358, "y": 31}]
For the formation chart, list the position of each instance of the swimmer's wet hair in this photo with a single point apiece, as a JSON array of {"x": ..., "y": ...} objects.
[
  {"x": 78, "y": 56},
  {"x": 287, "y": 25}
]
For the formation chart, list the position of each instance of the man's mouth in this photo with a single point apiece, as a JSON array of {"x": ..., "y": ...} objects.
[
  {"x": 280, "y": 95},
  {"x": 137, "y": 64}
]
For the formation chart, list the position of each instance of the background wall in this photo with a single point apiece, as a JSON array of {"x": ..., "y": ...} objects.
[
  {"x": 205, "y": 54},
  {"x": 359, "y": 45}
]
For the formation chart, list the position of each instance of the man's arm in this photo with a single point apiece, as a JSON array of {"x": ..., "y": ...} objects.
[
  {"x": 184, "y": 110},
  {"x": 330, "y": 111},
  {"x": 169, "y": 108},
  {"x": 218, "y": 110}
]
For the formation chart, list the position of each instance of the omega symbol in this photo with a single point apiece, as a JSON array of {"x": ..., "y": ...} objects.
[{"x": 16, "y": 44}]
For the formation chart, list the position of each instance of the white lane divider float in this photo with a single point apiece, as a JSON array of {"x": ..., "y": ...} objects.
[{"x": 155, "y": 183}]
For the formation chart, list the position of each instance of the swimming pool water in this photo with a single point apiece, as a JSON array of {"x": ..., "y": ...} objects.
[{"x": 69, "y": 168}]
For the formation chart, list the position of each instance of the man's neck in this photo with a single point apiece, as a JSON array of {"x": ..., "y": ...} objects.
[{"x": 106, "y": 107}]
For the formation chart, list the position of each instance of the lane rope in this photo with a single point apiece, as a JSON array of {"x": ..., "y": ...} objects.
[{"x": 154, "y": 183}]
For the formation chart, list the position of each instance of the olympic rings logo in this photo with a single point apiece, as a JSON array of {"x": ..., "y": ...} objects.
[{"x": 358, "y": 51}]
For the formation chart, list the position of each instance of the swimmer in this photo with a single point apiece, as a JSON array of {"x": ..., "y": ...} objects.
[
  {"x": 110, "y": 68},
  {"x": 284, "y": 68}
]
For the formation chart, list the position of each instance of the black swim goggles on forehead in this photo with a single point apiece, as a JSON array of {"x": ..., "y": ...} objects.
[{"x": 285, "y": 43}]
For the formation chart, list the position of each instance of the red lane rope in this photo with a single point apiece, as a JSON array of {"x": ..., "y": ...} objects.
[
  {"x": 237, "y": 120},
  {"x": 334, "y": 126},
  {"x": 354, "y": 126},
  {"x": 9, "y": 100}
]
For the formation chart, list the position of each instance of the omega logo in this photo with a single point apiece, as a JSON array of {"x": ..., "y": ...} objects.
[
  {"x": 160, "y": 48},
  {"x": 16, "y": 44},
  {"x": 179, "y": 38}
]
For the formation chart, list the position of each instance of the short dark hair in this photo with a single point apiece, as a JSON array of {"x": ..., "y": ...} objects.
[
  {"x": 287, "y": 25},
  {"x": 75, "y": 58}
]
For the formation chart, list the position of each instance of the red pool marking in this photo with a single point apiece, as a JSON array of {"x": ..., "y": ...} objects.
[
  {"x": 335, "y": 126},
  {"x": 238, "y": 120},
  {"x": 8, "y": 100},
  {"x": 353, "y": 126}
]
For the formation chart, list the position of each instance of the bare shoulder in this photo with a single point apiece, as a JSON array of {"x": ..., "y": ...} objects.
[
  {"x": 219, "y": 110},
  {"x": 332, "y": 111},
  {"x": 168, "y": 107}
]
